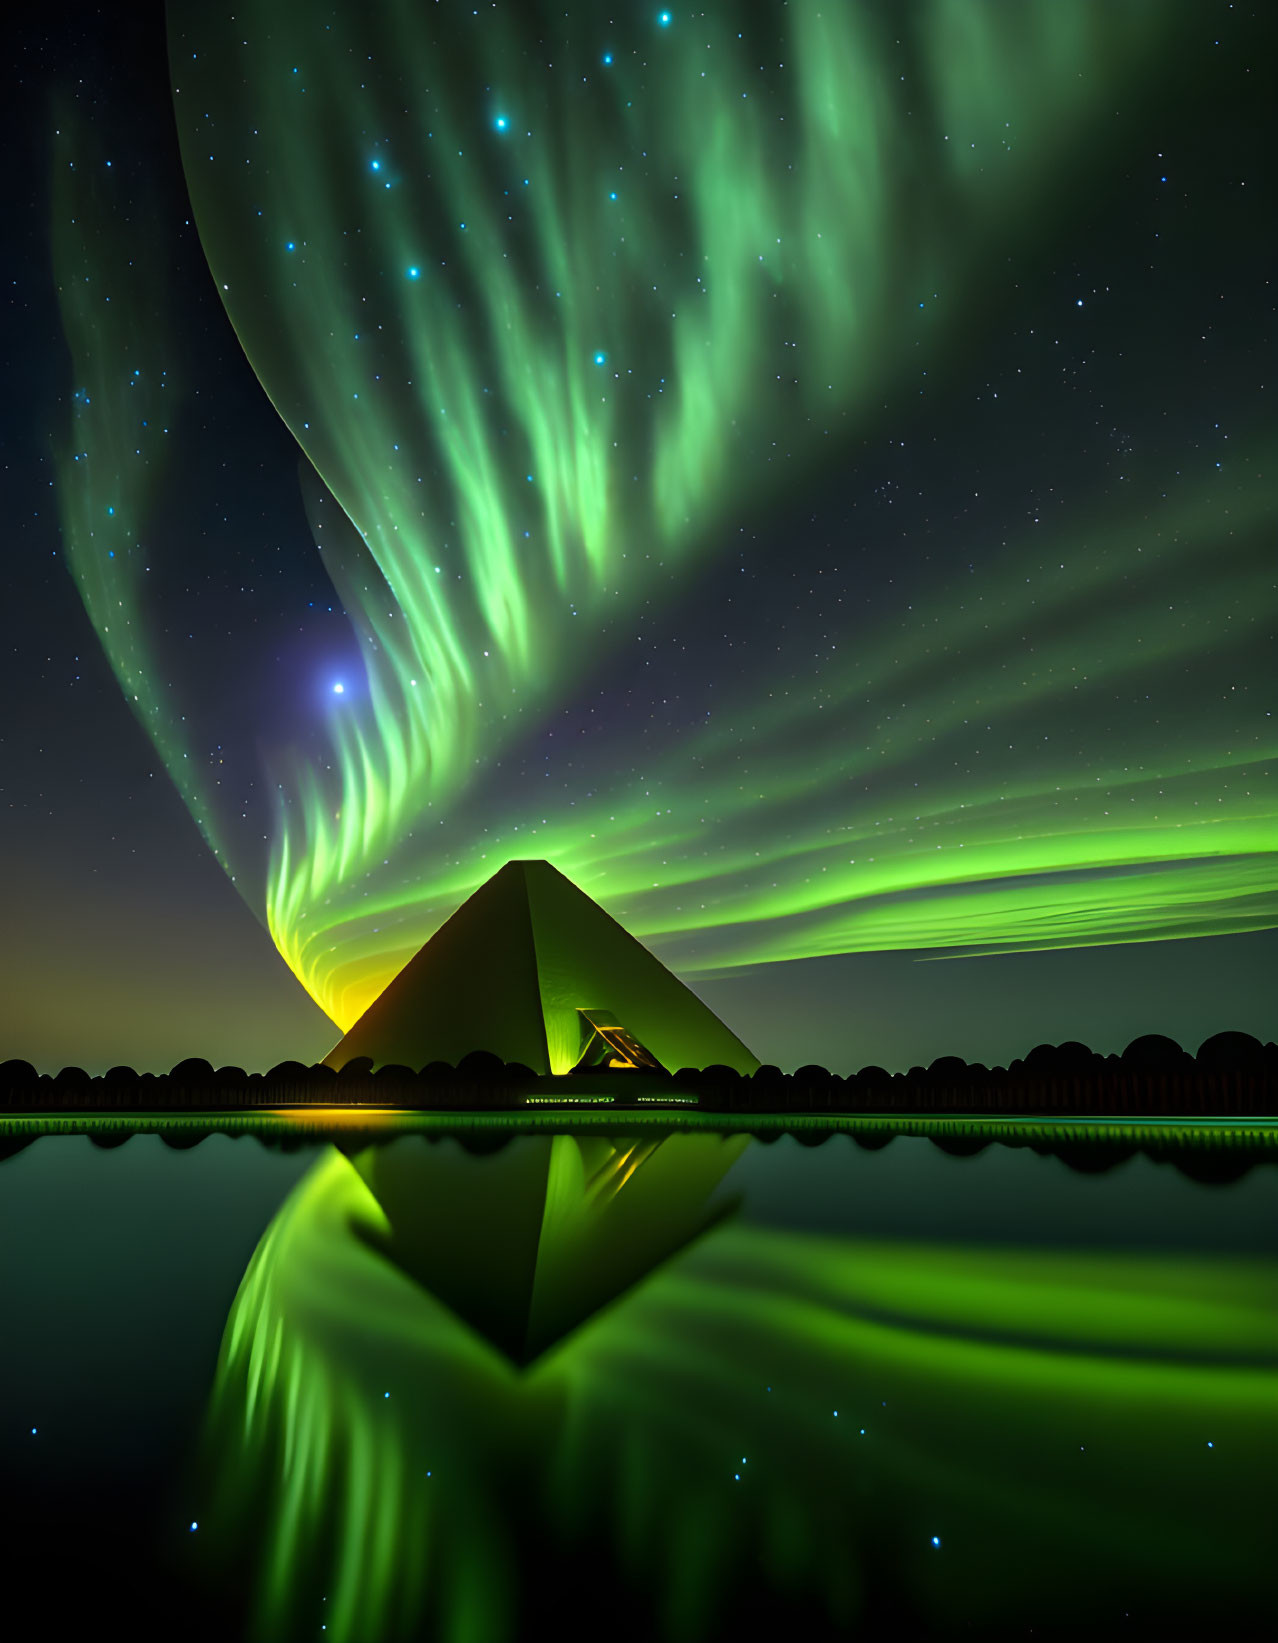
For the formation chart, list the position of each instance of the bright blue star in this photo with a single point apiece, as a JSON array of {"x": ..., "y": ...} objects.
[
  {"x": 936, "y": 1540},
  {"x": 374, "y": 165},
  {"x": 607, "y": 57},
  {"x": 613, "y": 195},
  {"x": 500, "y": 122},
  {"x": 413, "y": 273},
  {"x": 291, "y": 246},
  {"x": 664, "y": 19},
  {"x": 339, "y": 689},
  {"x": 601, "y": 359}
]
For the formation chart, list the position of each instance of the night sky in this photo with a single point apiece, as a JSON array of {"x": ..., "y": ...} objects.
[{"x": 805, "y": 470}]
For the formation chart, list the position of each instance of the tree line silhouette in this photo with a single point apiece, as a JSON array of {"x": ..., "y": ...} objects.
[{"x": 1232, "y": 1074}]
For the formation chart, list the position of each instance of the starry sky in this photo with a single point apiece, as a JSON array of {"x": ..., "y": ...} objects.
[{"x": 805, "y": 471}]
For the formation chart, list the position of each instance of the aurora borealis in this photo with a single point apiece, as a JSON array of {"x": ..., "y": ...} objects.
[{"x": 804, "y": 471}]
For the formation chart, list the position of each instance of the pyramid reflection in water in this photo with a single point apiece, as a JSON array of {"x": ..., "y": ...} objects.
[
  {"x": 527, "y": 1243},
  {"x": 760, "y": 1437}
]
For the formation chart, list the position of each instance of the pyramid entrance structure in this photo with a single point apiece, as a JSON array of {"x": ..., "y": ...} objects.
[
  {"x": 609, "y": 1045},
  {"x": 531, "y": 969}
]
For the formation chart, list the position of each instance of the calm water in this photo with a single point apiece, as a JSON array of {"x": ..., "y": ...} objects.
[{"x": 670, "y": 1389}]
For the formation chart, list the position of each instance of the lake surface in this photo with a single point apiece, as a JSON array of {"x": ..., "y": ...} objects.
[{"x": 663, "y": 1386}]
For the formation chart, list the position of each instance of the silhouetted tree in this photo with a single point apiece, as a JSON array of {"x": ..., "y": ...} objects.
[
  {"x": 194, "y": 1070},
  {"x": 1229, "y": 1051},
  {"x": 118, "y": 1087},
  {"x": 1153, "y": 1052},
  {"x": 19, "y": 1085},
  {"x": 481, "y": 1067},
  {"x": 766, "y": 1089},
  {"x": 722, "y": 1089},
  {"x": 287, "y": 1072},
  {"x": 394, "y": 1076},
  {"x": 726, "y": 1081}
]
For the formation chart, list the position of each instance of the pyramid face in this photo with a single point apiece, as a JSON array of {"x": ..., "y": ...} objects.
[{"x": 511, "y": 971}]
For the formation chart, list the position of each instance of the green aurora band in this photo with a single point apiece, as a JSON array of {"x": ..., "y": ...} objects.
[
  {"x": 537, "y": 295},
  {"x": 112, "y": 460}
]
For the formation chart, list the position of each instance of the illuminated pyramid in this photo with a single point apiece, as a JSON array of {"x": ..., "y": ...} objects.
[{"x": 531, "y": 969}]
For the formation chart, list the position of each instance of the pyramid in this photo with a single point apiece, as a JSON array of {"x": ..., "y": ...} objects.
[{"x": 525, "y": 969}]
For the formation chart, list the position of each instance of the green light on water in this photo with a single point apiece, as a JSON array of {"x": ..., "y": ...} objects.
[{"x": 1037, "y": 1411}]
